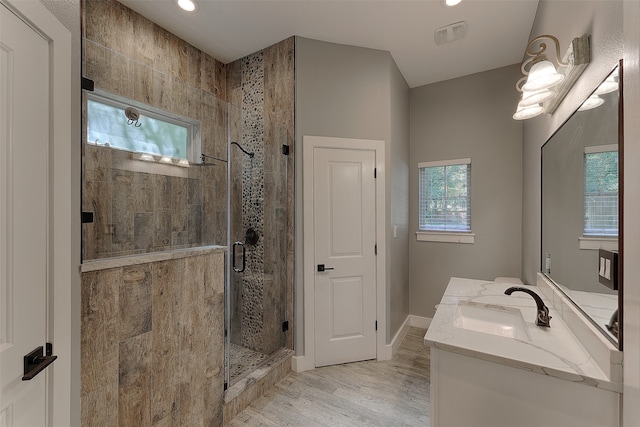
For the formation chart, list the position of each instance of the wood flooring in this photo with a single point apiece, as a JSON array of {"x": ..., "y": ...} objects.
[{"x": 372, "y": 393}]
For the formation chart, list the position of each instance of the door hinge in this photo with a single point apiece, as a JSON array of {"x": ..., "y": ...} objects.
[
  {"x": 375, "y": 173},
  {"x": 87, "y": 217},
  {"x": 376, "y": 325},
  {"x": 285, "y": 150},
  {"x": 285, "y": 326},
  {"x": 87, "y": 84},
  {"x": 375, "y": 249}
]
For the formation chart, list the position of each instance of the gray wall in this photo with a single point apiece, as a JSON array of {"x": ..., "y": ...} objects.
[
  {"x": 350, "y": 92},
  {"x": 610, "y": 30},
  {"x": 566, "y": 20},
  {"x": 398, "y": 193},
  {"x": 459, "y": 118}
]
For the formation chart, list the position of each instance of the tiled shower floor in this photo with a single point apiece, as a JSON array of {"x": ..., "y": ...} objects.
[{"x": 243, "y": 361}]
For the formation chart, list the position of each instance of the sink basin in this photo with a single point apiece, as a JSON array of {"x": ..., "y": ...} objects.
[{"x": 491, "y": 319}]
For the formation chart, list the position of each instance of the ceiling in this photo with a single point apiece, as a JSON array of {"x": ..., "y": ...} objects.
[{"x": 497, "y": 30}]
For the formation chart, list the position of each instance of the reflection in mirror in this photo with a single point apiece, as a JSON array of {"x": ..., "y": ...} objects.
[{"x": 580, "y": 207}]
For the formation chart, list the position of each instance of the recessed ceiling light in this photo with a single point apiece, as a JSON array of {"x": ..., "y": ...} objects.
[
  {"x": 188, "y": 5},
  {"x": 451, "y": 3}
]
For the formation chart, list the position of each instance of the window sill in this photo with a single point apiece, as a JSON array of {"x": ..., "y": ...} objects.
[
  {"x": 435, "y": 236},
  {"x": 595, "y": 243}
]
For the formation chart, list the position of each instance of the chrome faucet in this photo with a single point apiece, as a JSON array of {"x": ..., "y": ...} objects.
[{"x": 543, "y": 318}]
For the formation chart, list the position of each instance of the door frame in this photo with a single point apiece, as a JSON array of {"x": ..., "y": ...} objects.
[
  {"x": 61, "y": 325},
  {"x": 309, "y": 143}
]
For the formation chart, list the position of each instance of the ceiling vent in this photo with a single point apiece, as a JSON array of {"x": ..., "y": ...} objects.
[{"x": 450, "y": 32}]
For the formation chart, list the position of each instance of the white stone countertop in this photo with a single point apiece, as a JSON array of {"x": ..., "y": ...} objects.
[
  {"x": 553, "y": 351},
  {"x": 124, "y": 261},
  {"x": 598, "y": 306}
]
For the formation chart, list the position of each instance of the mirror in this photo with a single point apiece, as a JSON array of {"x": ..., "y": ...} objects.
[{"x": 580, "y": 208}]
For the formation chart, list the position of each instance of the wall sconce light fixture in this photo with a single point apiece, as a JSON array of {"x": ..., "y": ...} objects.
[{"x": 543, "y": 86}]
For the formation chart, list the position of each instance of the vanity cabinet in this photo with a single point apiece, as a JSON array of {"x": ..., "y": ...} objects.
[
  {"x": 491, "y": 366},
  {"x": 468, "y": 391}
]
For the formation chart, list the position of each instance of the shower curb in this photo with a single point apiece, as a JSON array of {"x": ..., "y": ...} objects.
[{"x": 250, "y": 388}]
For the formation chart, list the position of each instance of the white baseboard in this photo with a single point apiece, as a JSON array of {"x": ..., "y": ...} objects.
[
  {"x": 298, "y": 364},
  {"x": 390, "y": 349},
  {"x": 420, "y": 322}
]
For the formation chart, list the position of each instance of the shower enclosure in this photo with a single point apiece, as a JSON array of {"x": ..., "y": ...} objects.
[
  {"x": 159, "y": 212},
  {"x": 256, "y": 286}
]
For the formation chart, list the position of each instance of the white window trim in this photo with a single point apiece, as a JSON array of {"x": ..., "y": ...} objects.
[
  {"x": 600, "y": 148},
  {"x": 445, "y": 237},
  {"x": 453, "y": 162},
  {"x": 595, "y": 243}
]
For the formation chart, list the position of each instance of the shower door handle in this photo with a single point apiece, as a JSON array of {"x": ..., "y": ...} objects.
[{"x": 244, "y": 258}]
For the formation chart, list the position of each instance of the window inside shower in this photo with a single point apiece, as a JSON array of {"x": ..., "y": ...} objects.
[{"x": 152, "y": 134}]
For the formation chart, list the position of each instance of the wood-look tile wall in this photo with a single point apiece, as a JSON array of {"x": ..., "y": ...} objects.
[
  {"x": 136, "y": 212},
  {"x": 152, "y": 343}
]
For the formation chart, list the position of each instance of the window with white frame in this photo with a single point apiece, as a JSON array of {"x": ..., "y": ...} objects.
[
  {"x": 153, "y": 134},
  {"x": 444, "y": 198},
  {"x": 601, "y": 191}
]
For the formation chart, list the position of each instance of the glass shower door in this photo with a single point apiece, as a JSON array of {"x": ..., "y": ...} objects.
[{"x": 256, "y": 293}]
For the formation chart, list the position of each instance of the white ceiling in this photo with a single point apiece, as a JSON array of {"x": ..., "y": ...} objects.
[{"x": 498, "y": 30}]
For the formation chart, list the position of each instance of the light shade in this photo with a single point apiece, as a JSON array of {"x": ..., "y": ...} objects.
[
  {"x": 542, "y": 75},
  {"x": 524, "y": 113},
  {"x": 592, "y": 102},
  {"x": 607, "y": 86},
  {"x": 537, "y": 97}
]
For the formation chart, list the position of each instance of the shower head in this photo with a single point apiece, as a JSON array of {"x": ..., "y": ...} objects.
[{"x": 250, "y": 154}]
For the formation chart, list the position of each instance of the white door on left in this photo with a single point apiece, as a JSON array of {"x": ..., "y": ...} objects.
[{"x": 24, "y": 217}]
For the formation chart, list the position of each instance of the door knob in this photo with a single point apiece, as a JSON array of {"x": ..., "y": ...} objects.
[
  {"x": 36, "y": 361},
  {"x": 321, "y": 268}
]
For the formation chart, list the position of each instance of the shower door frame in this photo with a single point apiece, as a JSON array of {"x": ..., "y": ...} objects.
[{"x": 279, "y": 143}]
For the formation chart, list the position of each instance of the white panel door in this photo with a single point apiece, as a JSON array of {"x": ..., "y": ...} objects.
[
  {"x": 24, "y": 142},
  {"x": 345, "y": 237}
]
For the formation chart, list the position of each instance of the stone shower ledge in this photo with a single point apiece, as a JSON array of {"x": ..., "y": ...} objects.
[{"x": 125, "y": 261}]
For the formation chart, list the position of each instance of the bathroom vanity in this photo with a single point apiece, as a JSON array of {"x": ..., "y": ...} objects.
[{"x": 492, "y": 366}]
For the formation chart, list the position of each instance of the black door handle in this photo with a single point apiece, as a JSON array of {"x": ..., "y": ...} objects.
[
  {"x": 36, "y": 361},
  {"x": 322, "y": 268}
]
